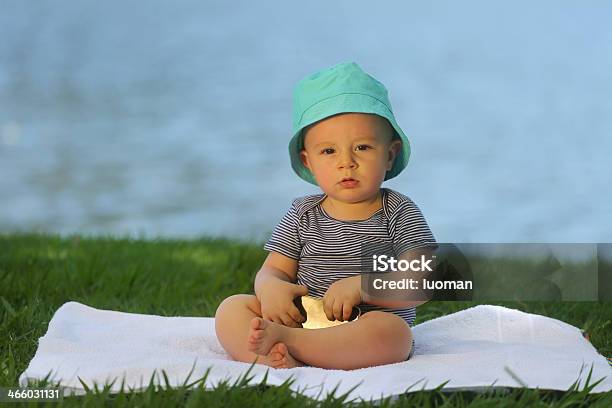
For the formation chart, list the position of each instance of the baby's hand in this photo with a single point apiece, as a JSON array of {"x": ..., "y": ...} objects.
[
  {"x": 277, "y": 304},
  {"x": 340, "y": 298}
]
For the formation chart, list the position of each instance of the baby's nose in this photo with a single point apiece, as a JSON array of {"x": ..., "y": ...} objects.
[{"x": 347, "y": 161}]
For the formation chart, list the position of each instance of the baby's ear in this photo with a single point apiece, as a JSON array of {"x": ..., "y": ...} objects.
[
  {"x": 304, "y": 159},
  {"x": 394, "y": 149}
]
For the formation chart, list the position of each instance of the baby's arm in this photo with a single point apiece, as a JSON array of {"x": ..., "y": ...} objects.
[
  {"x": 275, "y": 289},
  {"x": 343, "y": 294}
]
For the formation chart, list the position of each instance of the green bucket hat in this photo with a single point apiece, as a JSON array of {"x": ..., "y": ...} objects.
[{"x": 341, "y": 88}]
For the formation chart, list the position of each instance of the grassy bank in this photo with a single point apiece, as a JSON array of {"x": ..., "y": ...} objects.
[{"x": 38, "y": 273}]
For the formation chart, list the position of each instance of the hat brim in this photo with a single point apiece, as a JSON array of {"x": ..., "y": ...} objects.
[{"x": 345, "y": 103}]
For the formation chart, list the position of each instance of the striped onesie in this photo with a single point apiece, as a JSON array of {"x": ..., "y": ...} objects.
[{"x": 328, "y": 249}]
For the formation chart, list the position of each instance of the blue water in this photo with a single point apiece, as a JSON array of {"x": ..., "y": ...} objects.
[{"x": 171, "y": 119}]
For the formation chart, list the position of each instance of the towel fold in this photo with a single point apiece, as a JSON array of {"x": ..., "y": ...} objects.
[{"x": 474, "y": 348}]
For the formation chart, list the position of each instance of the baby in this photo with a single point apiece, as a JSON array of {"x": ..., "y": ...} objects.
[{"x": 347, "y": 142}]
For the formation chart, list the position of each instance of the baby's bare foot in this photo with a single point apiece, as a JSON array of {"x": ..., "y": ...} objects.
[
  {"x": 279, "y": 357},
  {"x": 263, "y": 335}
]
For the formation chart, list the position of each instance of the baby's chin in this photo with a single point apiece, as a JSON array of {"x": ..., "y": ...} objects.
[{"x": 352, "y": 196}]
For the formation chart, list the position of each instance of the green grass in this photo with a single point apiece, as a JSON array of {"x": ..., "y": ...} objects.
[{"x": 38, "y": 273}]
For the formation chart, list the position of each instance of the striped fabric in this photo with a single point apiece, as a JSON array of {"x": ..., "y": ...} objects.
[{"x": 328, "y": 249}]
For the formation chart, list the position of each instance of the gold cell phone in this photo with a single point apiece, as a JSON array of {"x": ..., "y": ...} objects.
[{"x": 312, "y": 309}]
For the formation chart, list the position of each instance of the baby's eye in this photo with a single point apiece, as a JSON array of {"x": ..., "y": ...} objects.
[
  {"x": 363, "y": 147},
  {"x": 328, "y": 150}
]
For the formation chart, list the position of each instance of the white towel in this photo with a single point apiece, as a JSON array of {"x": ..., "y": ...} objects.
[{"x": 474, "y": 348}]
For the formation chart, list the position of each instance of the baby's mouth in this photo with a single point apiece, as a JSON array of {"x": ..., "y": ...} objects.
[{"x": 348, "y": 182}]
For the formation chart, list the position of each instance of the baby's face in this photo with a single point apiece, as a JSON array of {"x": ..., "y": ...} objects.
[{"x": 349, "y": 154}]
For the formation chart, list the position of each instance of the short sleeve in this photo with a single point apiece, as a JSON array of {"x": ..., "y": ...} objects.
[
  {"x": 285, "y": 239},
  {"x": 410, "y": 229}
]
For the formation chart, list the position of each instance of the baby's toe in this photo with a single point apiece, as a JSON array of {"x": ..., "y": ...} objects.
[
  {"x": 280, "y": 363},
  {"x": 254, "y": 325},
  {"x": 257, "y": 323}
]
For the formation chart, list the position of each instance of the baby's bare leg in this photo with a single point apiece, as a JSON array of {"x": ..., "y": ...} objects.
[
  {"x": 375, "y": 338},
  {"x": 232, "y": 321}
]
